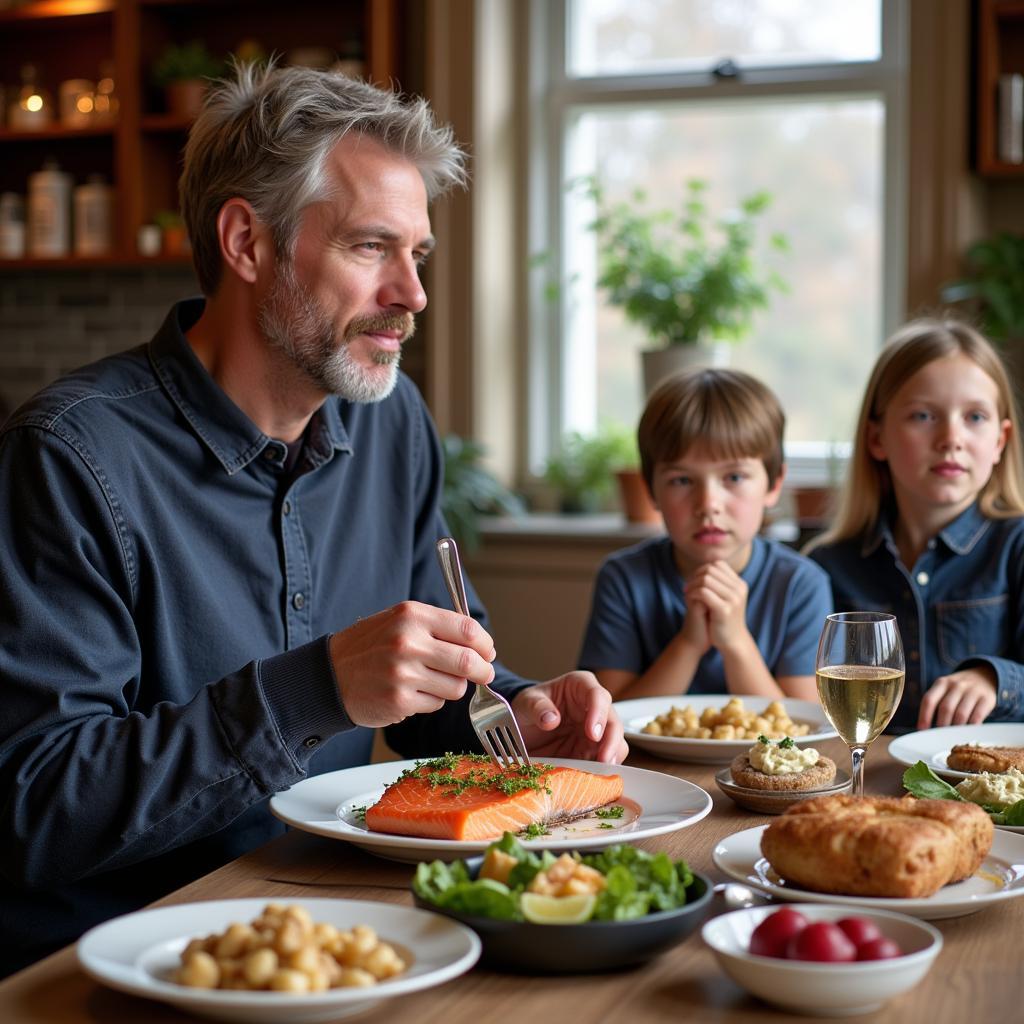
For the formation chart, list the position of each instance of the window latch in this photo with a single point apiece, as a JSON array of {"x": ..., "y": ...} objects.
[{"x": 726, "y": 69}]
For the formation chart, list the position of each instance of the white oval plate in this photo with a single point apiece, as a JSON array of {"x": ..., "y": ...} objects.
[
  {"x": 933, "y": 745},
  {"x": 326, "y": 805},
  {"x": 136, "y": 953},
  {"x": 635, "y": 714},
  {"x": 1000, "y": 877}
]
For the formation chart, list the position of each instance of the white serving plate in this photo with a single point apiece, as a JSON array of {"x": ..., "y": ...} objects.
[
  {"x": 137, "y": 953},
  {"x": 326, "y": 805},
  {"x": 635, "y": 714},
  {"x": 1000, "y": 877},
  {"x": 933, "y": 745}
]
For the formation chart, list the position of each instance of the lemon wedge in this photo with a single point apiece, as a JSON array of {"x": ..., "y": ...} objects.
[{"x": 573, "y": 909}]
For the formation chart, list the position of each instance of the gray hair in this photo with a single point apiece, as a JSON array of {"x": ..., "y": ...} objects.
[{"x": 264, "y": 136}]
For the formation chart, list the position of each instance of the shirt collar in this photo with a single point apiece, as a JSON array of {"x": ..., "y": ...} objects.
[
  {"x": 229, "y": 434},
  {"x": 959, "y": 536}
]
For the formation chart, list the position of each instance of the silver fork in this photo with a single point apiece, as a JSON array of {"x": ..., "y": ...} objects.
[{"x": 490, "y": 714}]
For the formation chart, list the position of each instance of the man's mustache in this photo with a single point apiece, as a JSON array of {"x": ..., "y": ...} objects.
[{"x": 403, "y": 322}]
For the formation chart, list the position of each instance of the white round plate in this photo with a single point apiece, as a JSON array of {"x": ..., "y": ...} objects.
[
  {"x": 1000, "y": 877},
  {"x": 136, "y": 953},
  {"x": 328, "y": 805},
  {"x": 933, "y": 745},
  {"x": 635, "y": 714}
]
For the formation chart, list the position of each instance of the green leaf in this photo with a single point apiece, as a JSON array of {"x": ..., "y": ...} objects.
[
  {"x": 1013, "y": 815},
  {"x": 922, "y": 782}
]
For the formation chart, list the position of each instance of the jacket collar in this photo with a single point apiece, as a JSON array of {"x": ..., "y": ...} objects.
[
  {"x": 959, "y": 536},
  {"x": 228, "y": 433}
]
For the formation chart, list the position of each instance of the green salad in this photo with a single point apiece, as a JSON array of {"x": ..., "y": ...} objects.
[
  {"x": 922, "y": 782},
  {"x": 636, "y": 883}
]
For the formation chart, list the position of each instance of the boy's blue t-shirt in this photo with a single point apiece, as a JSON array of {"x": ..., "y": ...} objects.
[{"x": 639, "y": 607}]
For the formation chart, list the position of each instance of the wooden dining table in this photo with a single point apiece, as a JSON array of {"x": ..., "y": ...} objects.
[{"x": 976, "y": 978}]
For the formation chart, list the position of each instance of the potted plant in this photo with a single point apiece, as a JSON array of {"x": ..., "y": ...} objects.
[
  {"x": 689, "y": 279},
  {"x": 184, "y": 72},
  {"x": 173, "y": 237},
  {"x": 583, "y": 469},
  {"x": 471, "y": 490},
  {"x": 994, "y": 286}
]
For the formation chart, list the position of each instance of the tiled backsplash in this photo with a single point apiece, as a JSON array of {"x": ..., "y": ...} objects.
[{"x": 54, "y": 321}]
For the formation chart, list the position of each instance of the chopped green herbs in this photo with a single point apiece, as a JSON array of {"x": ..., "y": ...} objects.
[
  {"x": 609, "y": 812},
  {"x": 450, "y": 772},
  {"x": 535, "y": 830},
  {"x": 359, "y": 814}
]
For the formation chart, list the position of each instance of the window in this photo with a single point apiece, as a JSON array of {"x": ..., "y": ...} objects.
[{"x": 802, "y": 98}]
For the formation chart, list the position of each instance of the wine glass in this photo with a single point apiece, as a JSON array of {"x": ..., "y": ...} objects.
[{"x": 860, "y": 679}]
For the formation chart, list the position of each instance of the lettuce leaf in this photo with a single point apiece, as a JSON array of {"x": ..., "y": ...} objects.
[{"x": 922, "y": 782}]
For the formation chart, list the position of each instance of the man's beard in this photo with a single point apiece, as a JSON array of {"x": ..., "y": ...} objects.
[{"x": 294, "y": 323}]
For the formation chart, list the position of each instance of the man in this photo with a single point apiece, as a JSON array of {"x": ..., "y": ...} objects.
[{"x": 199, "y": 535}]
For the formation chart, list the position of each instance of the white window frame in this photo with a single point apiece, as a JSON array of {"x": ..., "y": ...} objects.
[{"x": 551, "y": 98}]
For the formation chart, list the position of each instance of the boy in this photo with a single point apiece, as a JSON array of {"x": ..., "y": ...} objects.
[{"x": 712, "y": 607}]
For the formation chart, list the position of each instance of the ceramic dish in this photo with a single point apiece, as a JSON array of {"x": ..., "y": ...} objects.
[
  {"x": 635, "y": 714},
  {"x": 138, "y": 952},
  {"x": 933, "y": 745},
  {"x": 823, "y": 989},
  {"x": 1000, "y": 877},
  {"x": 766, "y": 801},
  {"x": 581, "y": 948},
  {"x": 328, "y": 805}
]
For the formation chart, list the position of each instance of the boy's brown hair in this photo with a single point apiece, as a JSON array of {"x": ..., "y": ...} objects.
[{"x": 731, "y": 413}]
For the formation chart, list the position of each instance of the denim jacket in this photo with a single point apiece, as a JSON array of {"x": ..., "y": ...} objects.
[{"x": 962, "y": 603}]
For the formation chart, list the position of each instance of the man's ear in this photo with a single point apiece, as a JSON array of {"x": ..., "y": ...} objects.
[
  {"x": 771, "y": 499},
  {"x": 243, "y": 239}
]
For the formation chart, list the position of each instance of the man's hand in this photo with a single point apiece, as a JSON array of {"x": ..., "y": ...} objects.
[
  {"x": 407, "y": 660},
  {"x": 963, "y": 698},
  {"x": 570, "y": 716},
  {"x": 723, "y": 593}
]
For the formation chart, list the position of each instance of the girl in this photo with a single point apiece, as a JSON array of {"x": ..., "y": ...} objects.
[{"x": 931, "y": 524}]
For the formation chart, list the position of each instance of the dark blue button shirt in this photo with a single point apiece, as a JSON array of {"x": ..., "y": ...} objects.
[
  {"x": 961, "y": 603},
  {"x": 639, "y": 608},
  {"x": 168, "y": 592}
]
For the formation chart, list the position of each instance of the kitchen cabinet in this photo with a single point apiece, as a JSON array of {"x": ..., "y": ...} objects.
[{"x": 139, "y": 152}]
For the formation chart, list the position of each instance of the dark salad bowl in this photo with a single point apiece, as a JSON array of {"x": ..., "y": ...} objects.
[{"x": 581, "y": 948}]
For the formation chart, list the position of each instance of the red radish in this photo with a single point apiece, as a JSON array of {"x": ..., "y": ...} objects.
[
  {"x": 860, "y": 930},
  {"x": 772, "y": 935},
  {"x": 823, "y": 941},
  {"x": 879, "y": 949}
]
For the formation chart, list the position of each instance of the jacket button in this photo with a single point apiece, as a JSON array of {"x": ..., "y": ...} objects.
[
  {"x": 286, "y": 508},
  {"x": 298, "y": 601},
  {"x": 922, "y": 578},
  {"x": 310, "y": 742}
]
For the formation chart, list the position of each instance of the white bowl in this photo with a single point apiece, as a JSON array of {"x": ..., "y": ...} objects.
[{"x": 824, "y": 989}]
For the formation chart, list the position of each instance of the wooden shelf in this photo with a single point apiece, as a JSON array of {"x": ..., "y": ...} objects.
[
  {"x": 141, "y": 153},
  {"x": 85, "y": 262},
  {"x": 55, "y": 132},
  {"x": 1000, "y": 50}
]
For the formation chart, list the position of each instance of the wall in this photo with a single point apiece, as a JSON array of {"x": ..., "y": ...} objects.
[{"x": 54, "y": 321}]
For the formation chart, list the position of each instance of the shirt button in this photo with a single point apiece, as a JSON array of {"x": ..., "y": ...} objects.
[
  {"x": 931, "y": 544},
  {"x": 269, "y": 454},
  {"x": 310, "y": 742},
  {"x": 286, "y": 508},
  {"x": 298, "y": 601},
  {"x": 922, "y": 578}
]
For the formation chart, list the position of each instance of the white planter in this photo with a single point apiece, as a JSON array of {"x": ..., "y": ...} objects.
[{"x": 660, "y": 363}]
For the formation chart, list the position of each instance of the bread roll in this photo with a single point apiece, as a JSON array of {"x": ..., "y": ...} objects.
[{"x": 877, "y": 846}]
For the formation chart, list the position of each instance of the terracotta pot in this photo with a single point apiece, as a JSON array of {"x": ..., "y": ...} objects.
[
  {"x": 185, "y": 97},
  {"x": 174, "y": 240},
  {"x": 636, "y": 499},
  {"x": 813, "y": 504}
]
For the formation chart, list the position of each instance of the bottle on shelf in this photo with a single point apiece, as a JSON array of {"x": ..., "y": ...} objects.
[
  {"x": 12, "y": 226},
  {"x": 32, "y": 108},
  {"x": 49, "y": 211},
  {"x": 105, "y": 102},
  {"x": 94, "y": 217}
]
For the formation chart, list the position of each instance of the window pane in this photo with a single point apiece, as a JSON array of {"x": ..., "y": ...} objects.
[
  {"x": 652, "y": 36},
  {"x": 821, "y": 159}
]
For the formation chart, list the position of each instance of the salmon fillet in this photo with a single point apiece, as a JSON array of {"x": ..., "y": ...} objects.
[{"x": 466, "y": 797}]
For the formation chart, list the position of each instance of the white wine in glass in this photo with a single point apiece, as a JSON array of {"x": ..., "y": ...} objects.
[{"x": 860, "y": 679}]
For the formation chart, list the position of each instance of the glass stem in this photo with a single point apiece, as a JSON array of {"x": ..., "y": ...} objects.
[{"x": 857, "y": 759}]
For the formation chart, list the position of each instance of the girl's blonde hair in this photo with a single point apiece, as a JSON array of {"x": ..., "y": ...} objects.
[{"x": 868, "y": 483}]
